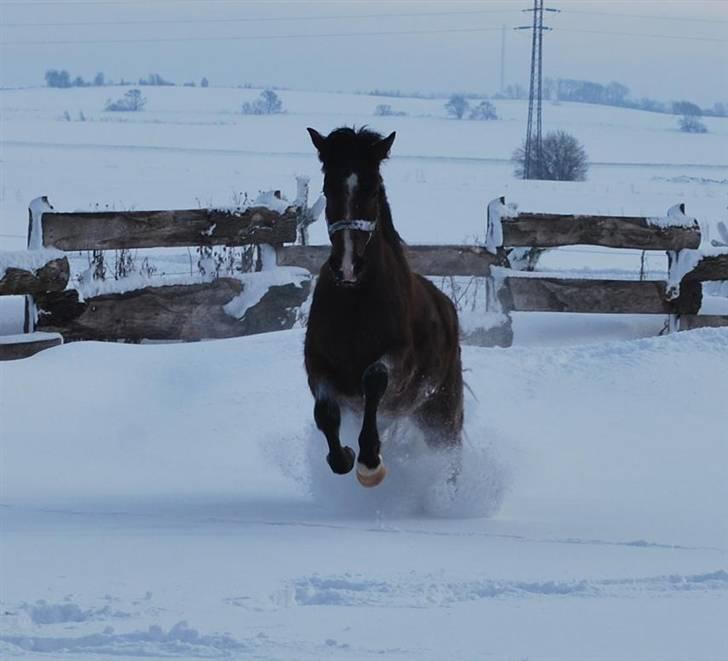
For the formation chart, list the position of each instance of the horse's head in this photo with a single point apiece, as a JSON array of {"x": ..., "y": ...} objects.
[{"x": 353, "y": 188}]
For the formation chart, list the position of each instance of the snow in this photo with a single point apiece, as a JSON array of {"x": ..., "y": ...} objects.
[
  {"x": 37, "y": 208},
  {"x": 675, "y": 217},
  {"x": 186, "y": 509},
  {"x": 173, "y": 500},
  {"x": 256, "y": 285},
  {"x": 22, "y": 338},
  {"x": 88, "y": 287}
]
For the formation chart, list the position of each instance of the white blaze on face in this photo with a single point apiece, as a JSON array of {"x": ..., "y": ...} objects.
[{"x": 347, "y": 261}]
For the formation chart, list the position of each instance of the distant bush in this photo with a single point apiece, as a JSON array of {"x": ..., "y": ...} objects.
[
  {"x": 132, "y": 101},
  {"x": 457, "y": 106},
  {"x": 691, "y": 124},
  {"x": 268, "y": 103},
  {"x": 155, "y": 80},
  {"x": 55, "y": 78},
  {"x": 563, "y": 159},
  {"x": 385, "y": 110},
  {"x": 686, "y": 108},
  {"x": 484, "y": 110}
]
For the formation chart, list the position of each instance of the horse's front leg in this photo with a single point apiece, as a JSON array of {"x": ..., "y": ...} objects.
[
  {"x": 327, "y": 414},
  {"x": 370, "y": 470}
]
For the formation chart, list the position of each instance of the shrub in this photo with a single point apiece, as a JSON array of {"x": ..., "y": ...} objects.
[
  {"x": 457, "y": 106},
  {"x": 55, "y": 78},
  {"x": 385, "y": 110},
  {"x": 484, "y": 110},
  {"x": 132, "y": 101},
  {"x": 268, "y": 103},
  {"x": 691, "y": 124},
  {"x": 563, "y": 159}
]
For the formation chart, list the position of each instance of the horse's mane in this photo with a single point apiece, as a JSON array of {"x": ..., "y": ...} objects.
[{"x": 352, "y": 141}]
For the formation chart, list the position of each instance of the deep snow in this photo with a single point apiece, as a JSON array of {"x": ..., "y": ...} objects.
[{"x": 173, "y": 500}]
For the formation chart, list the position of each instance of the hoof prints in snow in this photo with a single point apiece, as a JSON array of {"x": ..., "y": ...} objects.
[
  {"x": 181, "y": 641},
  {"x": 354, "y": 591}
]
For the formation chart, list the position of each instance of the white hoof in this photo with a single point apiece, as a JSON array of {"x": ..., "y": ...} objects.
[{"x": 370, "y": 477}]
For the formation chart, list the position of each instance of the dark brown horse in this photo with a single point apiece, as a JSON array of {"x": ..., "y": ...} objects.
[{"x": 379, "y": 336}]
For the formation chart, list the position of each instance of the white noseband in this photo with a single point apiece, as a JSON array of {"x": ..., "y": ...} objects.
[{"x": 361, "y": 225}]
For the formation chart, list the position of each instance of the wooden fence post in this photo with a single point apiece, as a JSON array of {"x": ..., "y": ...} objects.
[
  {"x": 36, "y": 209},
  {"x": 679, "y": 263},
  {"x": 306, "y": 215}
]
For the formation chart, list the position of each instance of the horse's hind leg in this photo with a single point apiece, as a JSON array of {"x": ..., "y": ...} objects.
[
  {"x": 327, "y": 414},
  {"x": 441, "y": 422},
  {"x": 370, "y": 470}
]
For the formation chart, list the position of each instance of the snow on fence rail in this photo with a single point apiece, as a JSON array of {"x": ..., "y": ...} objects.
[{"x": 269, "y": 300}]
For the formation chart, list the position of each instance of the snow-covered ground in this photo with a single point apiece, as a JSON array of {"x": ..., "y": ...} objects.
[{"x": 174, "y": 501}]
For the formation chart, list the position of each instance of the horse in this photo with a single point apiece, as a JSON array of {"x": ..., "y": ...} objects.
[{"x": 379, "y": 337}]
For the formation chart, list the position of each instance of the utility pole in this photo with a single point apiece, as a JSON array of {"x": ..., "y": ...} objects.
[
  {"x": 503, "y": 60},
  {"x": 534, "y": 143}
]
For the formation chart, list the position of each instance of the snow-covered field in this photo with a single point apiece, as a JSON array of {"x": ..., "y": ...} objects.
[
  {"x": 174, "y": 501},
  {"x": 149, "y": 486}
]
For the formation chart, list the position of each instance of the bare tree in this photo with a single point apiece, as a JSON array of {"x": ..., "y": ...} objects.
[
  {"x": 563, "y": 159},
  {"x": 268, "y": 103},
  {"x": 457, "y": 106},
  {"x": 484, "y": 110},
  {"x": 132, "y": 101}
]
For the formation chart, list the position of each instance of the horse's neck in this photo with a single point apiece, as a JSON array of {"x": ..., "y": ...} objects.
[{"x": 389, "y": 234}]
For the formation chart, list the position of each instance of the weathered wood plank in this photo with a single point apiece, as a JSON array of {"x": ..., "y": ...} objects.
[
  {"x": 53, "y": 276},
  {"x": 14, "y": 347},
  {"x": 600, "y": 296},
  {"x": 545, "y": 230},
  {"x": 710, "y": 267},
  {"x": 175, "y": 312},
  {"x": 691, "y": 321},
  {"x": 113, "y": 230},
  {"x": 425, "y": 259}
]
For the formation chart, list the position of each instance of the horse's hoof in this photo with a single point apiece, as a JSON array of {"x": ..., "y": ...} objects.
[
  {"x": 370, "y": 477},
  {"x": 343, "y": 462}
]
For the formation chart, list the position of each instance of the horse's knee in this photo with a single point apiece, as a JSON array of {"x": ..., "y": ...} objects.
[
  {"x": 327, "y": 414},
  {"x": 375, "y": 380}
]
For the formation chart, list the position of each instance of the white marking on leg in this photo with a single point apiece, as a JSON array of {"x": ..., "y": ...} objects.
[{"x": 365, "y": 471}]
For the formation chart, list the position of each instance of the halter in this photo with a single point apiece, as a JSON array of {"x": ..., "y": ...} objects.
[{"x": 361, "y": 225}]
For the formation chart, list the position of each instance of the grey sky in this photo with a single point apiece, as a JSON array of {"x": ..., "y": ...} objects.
[{"x": 456, "y": 45}]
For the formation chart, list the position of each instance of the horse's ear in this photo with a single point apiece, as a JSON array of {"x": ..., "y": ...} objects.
[
  {"x": 318, "y": 140},
  {"x": 380, "y": 149}
]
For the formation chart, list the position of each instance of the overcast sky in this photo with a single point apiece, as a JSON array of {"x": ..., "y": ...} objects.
[{"x": 666, "y": 49}]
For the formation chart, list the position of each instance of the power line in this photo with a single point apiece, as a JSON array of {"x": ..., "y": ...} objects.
[
  {"x": 651, "y": 17},
  {"x": 262, "y": 19},
  {"x": 677, "y": 37},
  {"x": 253, "y": 37},
  {"x": 319, "y": 35}
]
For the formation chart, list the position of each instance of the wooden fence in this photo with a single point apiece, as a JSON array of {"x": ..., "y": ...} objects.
[{"x": 193, "y": 311}]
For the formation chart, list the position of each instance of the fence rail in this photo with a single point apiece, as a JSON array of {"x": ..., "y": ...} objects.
[
  {"x": 220, "y": 308},
  {"x": 601, "y": 296},
  {"x": 550, "y": 230},
  {"x": 114, "y": 230},
  {"x": 427, "y": 259},
  {"x": 21, "y": 281}
]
